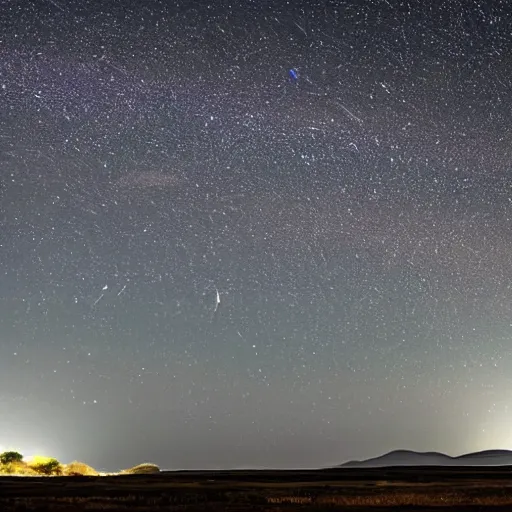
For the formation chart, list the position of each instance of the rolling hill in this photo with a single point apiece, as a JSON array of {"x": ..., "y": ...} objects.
[{"x": 412, "y": 458}]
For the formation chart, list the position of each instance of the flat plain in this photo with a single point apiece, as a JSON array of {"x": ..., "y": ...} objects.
[{"x": 383, "y": 489}]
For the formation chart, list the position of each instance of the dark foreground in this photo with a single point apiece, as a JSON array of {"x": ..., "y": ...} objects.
[{"x": 391, "y": 489}]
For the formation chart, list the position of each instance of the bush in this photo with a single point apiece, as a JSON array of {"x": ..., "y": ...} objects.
[
  {"x": 76, "y": 468},
  {"x": 8, "y": 457},
  {"x": 46, "y": 466},
  {"x": 17, "y": 468},
  {"x": 142, "y": 469}
]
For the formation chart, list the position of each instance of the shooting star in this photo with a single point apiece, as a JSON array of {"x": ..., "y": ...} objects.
[
  {"x": 217, "y": 300},
  {"x": 98, "y": 299}
]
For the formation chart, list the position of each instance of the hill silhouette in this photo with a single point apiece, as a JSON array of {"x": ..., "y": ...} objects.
[{"x": 412, "y": 458}]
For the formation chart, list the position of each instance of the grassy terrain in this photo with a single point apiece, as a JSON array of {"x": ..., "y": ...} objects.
[
  {"x": 394, "y": 489},
  {"x": 40, "y": 468},
  {"x": 13, "y": 464}
]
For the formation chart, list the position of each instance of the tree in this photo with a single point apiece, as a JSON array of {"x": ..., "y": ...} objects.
[
  {"x": 46, "y": 466},
  {"x": 9, "y": 457}
]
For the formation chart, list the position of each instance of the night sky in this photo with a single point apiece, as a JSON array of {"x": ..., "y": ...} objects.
[{"x": 207, "y": 264}]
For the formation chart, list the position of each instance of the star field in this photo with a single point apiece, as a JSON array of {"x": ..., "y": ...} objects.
[{"x": 206, "y": 265}]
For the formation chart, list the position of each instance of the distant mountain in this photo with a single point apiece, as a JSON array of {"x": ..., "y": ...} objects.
[{"x": 411, "y": 458}]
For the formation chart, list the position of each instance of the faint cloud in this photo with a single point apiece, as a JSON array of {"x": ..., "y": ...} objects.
[{"x": 148, "y": 179}]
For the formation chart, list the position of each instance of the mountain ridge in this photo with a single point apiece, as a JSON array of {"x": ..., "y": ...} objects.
[{"x": 413, "y": 458}]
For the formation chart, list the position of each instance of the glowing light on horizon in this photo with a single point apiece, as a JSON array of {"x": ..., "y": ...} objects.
[{"x": 29, "y": 454}]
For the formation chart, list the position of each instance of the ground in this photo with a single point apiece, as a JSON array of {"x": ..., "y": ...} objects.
[{"x": 420, "y": 489}]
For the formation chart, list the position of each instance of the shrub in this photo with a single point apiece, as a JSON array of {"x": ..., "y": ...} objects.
[
  {"x": 8, "y": 457},
  {"x": 142, "y": 469},
  {"x": 46, "y": 466},
  {"x": 17, "y": 468},
  {"x": 76, "y": 468}
]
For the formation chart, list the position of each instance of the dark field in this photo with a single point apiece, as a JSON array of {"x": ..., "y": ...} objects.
[{"x": 390, "y": 489}]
